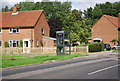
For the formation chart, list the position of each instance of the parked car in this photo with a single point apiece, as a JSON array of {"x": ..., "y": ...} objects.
[
  {"x": 107, "y": 46},
  {"x": 117, "y": 47}
]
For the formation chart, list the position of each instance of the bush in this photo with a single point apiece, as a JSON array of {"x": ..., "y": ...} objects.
[
  {"x": 6, "y": 44},
  {"x": 21, "y": 43},
  {"x": 96, "y": 47}
]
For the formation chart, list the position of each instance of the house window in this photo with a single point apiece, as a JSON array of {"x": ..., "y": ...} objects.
[
  {"x": 13, "y": 43},
  {"x": 0, "y": 43},
  {"x": 0, "y": 30},
  {"x": 43, "y": 31},
  {"x": 14, "y": 30}
]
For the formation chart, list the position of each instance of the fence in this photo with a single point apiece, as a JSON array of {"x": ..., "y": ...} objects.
[{"x": 41, "y": 50}]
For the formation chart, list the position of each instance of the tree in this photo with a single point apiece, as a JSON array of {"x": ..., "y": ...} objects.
[
  {"x": 97, "y": 12},
  {"x": 77, "y": 14},
  {"x": 26, "y": 6},
  {"x": 55, "y": 25},
  {"x": 88, "y": 13},
  {"x": 6, "y": 9},
  {"x": 55, "y": 12}
]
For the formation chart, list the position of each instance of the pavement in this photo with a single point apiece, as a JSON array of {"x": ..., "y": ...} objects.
[{"x": 100, "y": 65}]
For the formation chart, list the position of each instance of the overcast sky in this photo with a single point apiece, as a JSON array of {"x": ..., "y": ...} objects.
[{"x": 76, "y": 4}]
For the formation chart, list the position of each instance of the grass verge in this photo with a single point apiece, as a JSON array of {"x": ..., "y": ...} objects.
[
  {"x": 38, "y": 59},
  {"x": 11, "y": 56},
  {"x": 115, "y": 51}
]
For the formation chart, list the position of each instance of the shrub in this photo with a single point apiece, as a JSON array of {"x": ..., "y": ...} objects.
[
  {"x": 6, "y": 44},
  {"x": 21, "y": 43},
  {"x": 96, "y": 47}
]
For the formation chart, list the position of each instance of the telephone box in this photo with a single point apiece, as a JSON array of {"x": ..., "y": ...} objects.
[{"x": 63, "y": 42}]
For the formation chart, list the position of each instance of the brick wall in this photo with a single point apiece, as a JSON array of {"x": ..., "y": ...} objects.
[
  {"x": 49, "y": 42},
  {"x": 105, "y": 30},
  {"x": 35, "y": 34},
  {"x": 24, "y": 33},
  {"x": 42, "y": 23}
]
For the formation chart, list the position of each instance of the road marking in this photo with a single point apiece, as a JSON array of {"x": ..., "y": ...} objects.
[
  {"x": 91, "y": 73},
  {"x": 36, "y": 72}
]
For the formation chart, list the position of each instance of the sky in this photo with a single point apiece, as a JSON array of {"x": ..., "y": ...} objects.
[{"x": 76, "y": 4}]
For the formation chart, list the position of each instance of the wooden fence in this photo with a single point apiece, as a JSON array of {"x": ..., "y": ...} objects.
[{"x": 41, "y": 50}]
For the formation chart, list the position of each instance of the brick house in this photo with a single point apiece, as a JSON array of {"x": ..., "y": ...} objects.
[
  {"x": 106, "y": 29},
  {"x": 28, "y": 26}
]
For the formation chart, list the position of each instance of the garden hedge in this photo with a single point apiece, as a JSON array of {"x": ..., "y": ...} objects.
[{"x": 96, "y": 47}]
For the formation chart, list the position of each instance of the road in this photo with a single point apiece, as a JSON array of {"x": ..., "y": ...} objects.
[{"x": 98, "y": 67}]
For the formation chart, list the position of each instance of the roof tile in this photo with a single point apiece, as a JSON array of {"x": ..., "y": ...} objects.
[
  {"x": 113, "y": 20},
  {"x": 22, "y": 19}
]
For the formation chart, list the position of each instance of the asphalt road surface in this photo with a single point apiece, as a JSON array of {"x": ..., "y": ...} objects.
[{"x": 100, "y": 67}]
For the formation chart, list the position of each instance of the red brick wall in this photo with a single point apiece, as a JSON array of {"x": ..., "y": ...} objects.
[
  {"x": 42, "y": 23},
  {"x": 28, "y": 33},
  {"x": 119, "y": 20},
  {"x": 119, "y": 24},
  {"x": 49, "y": 42},
  {"x": 105, "y": 30},
  {"x": 24, "y": 33}
]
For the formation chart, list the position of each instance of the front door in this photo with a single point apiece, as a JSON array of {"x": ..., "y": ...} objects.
[{"x": 26, "y": 46}]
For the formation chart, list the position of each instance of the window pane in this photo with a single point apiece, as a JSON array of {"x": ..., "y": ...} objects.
[
  {"x": 10, "y": 43},
  {"x": 14, "y": 45},
  {"x": 10, "y": 30},
  {"x": 43, "y": 31},
  {"x": 17, "y": 30},
  {"x": 17, "y": 43},
  {"x": 26, "y": 43},
  {"x": 14, "y": 31}
]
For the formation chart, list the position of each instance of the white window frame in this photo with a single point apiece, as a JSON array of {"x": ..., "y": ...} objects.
[
  {"x": 1, "y": 30},
  {"x": 13, "y": 41},
  {"x": 1, "y": 43},
  {"x": 12, "y": 29}
]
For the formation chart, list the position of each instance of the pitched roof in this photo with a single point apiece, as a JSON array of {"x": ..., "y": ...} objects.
[
  {"x": 113, "y": 20},
  {"x": 22, "y": 19}
]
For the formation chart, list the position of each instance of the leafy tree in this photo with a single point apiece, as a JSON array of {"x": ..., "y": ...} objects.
[
  {"x": 97, "y": 13},
  {"x": 88, "y": 13},
  {"x": 55, "y": 25},
  {"x": 6, "y": 9},
  {"x": 26, "y": 6},
  {"x": 60, "y": 16},
  {"x": 77, "y": 14}
]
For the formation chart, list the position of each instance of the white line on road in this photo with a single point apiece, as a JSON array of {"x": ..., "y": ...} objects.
[
  {"x": 91, "y": 73},
  {"x": 36, "y": 72}
]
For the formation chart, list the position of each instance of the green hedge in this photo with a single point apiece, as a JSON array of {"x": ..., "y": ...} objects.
[{"x": 96, "y": 47}]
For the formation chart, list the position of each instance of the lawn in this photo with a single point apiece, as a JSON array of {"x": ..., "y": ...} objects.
[
  {"x": 11, "y": 56},
  {"x": 116, "y": 51},
  {"x": 10, "y": 62}
]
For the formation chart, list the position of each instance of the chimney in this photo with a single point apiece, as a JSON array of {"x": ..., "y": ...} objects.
[{"x": 15, "y": 8}]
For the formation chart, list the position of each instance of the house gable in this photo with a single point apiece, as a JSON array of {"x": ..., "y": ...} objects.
[
  {"x": 40, "y": 24},
  {"x": 105, "y": 30}
]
